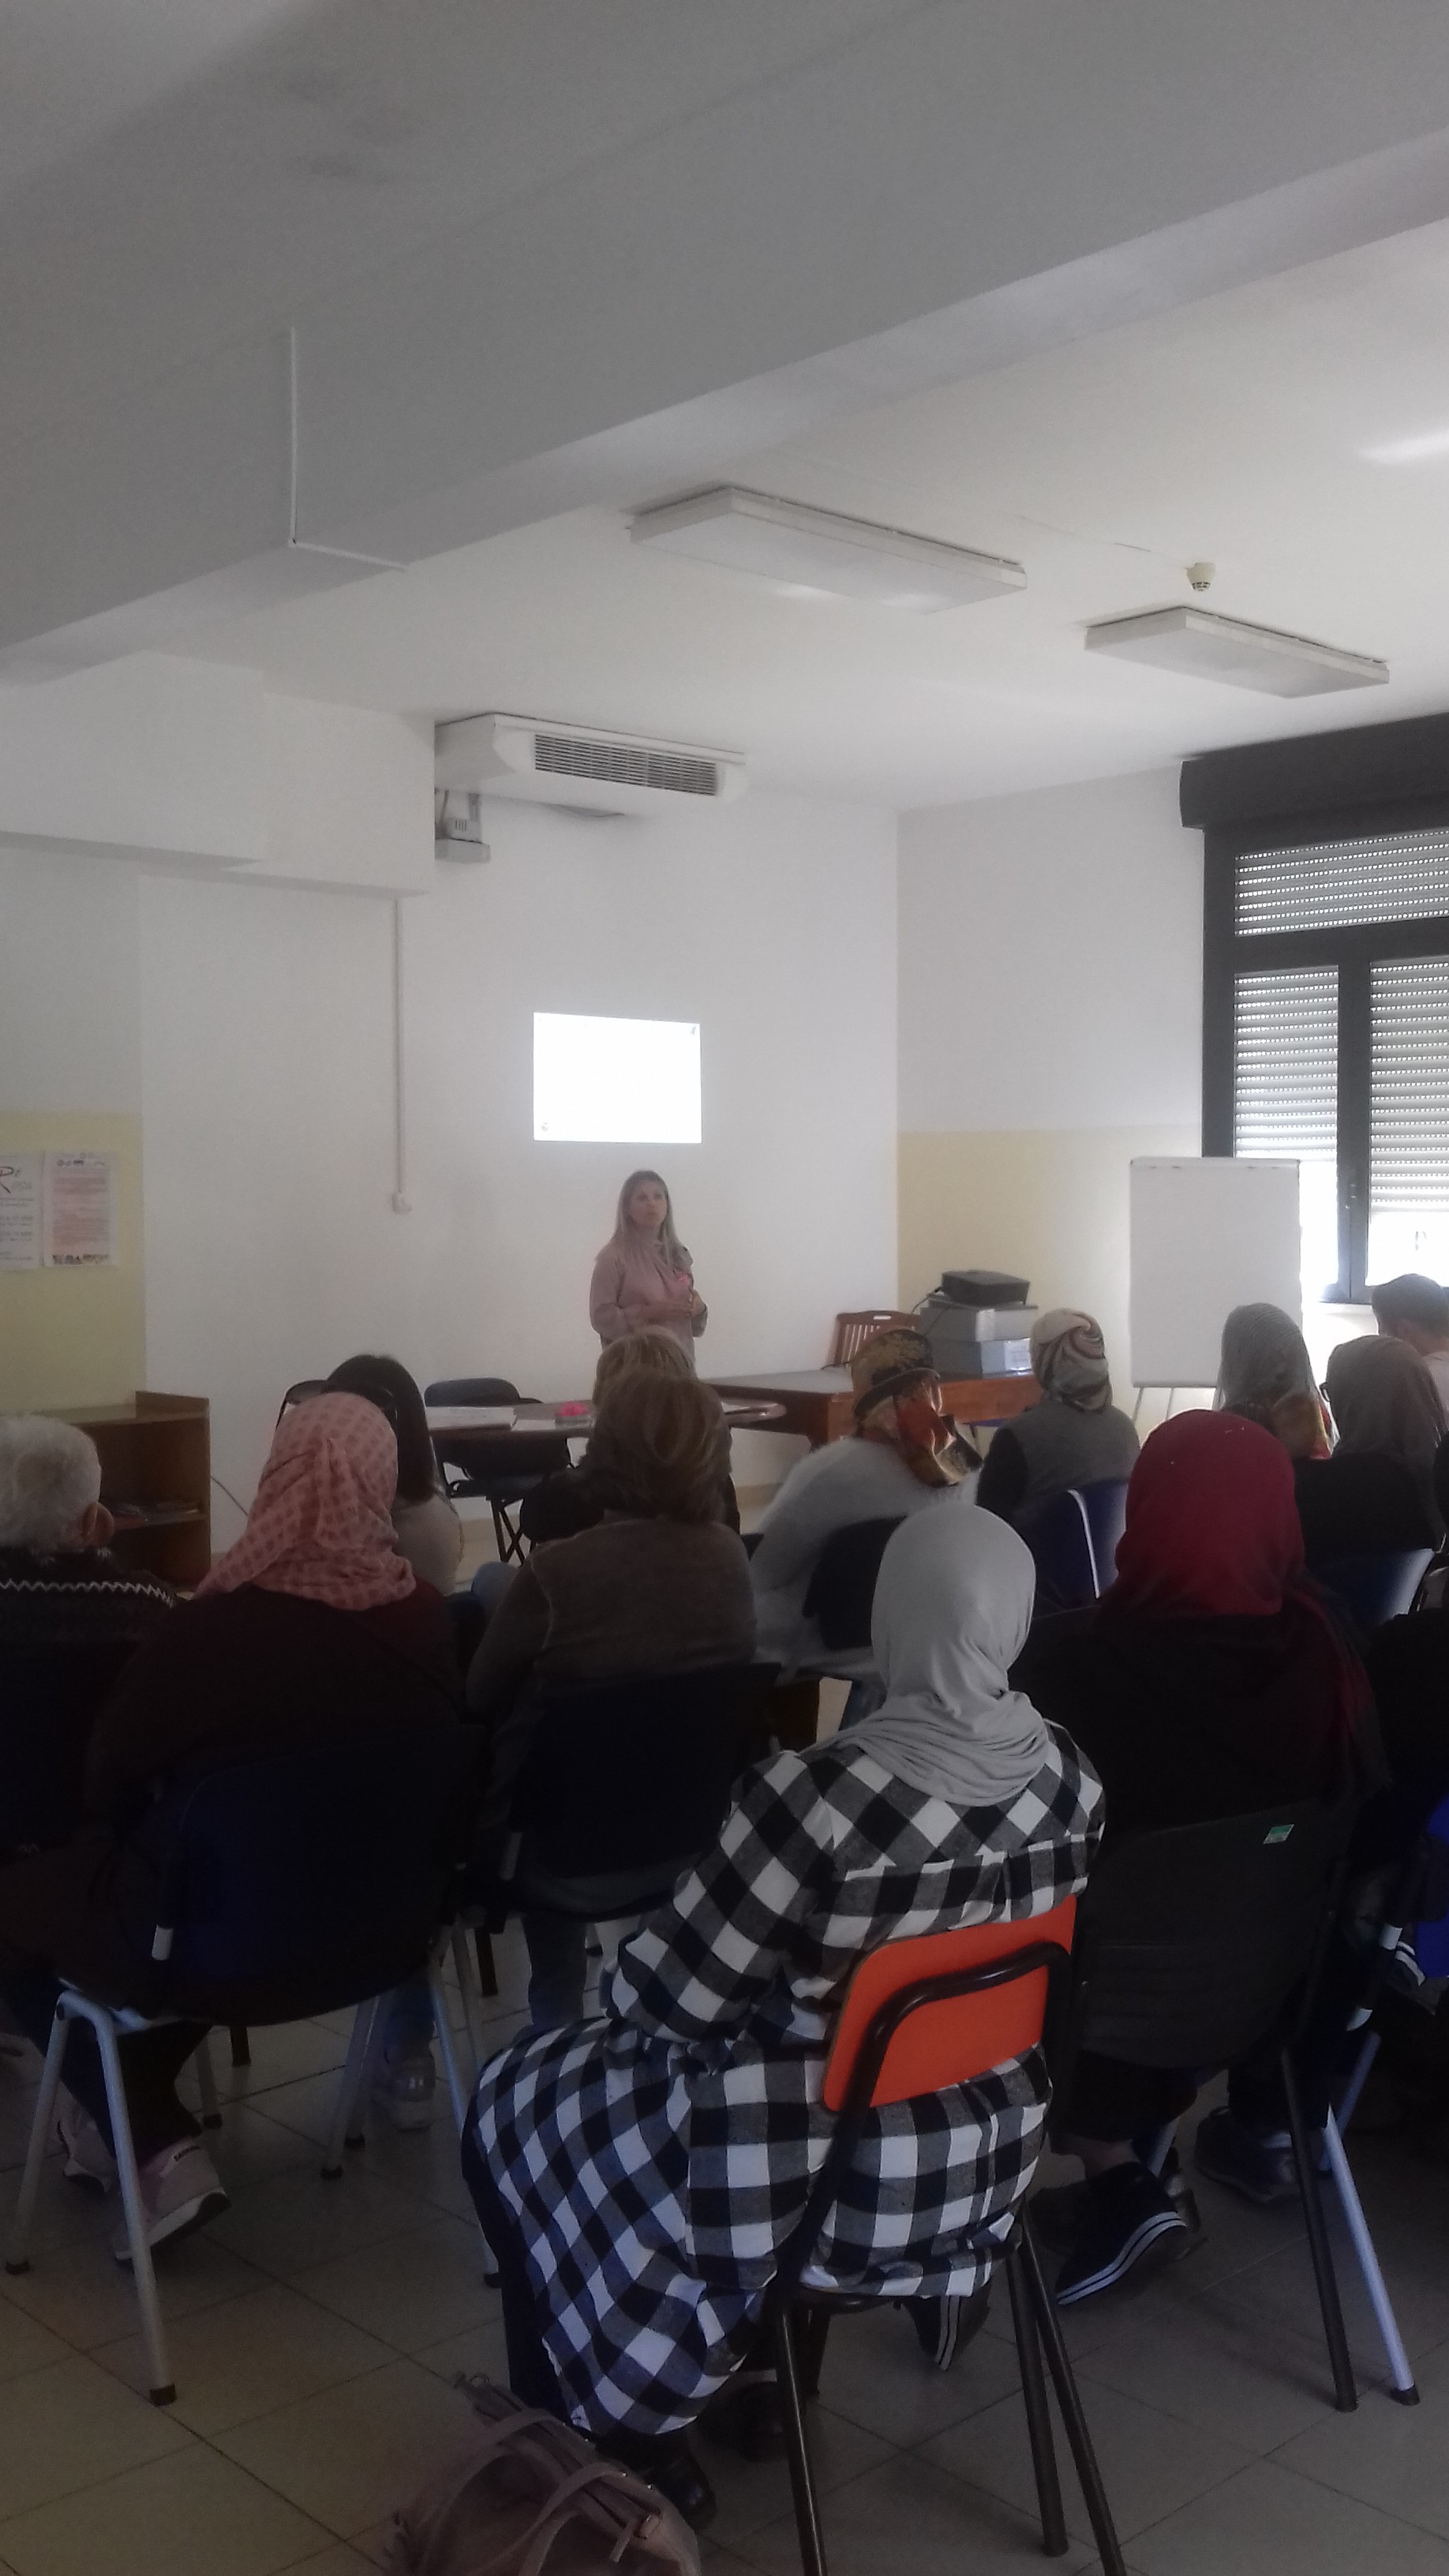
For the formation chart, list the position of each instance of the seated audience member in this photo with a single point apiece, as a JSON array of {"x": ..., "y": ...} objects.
[
  {"x": 429, "y": 1532},
  {"x": 1210, "y": 1681},
  {"x": 1390, "y": 1425},
  {"x": 904, "y": 1453},
  {"x": 1075, "y": 1436},
  {"x": 311, "y": 1626},
  {"x": 1408, "y": 1666},
  {"x": 628, "y": 2310},
  {"x": 1415, "y": 1310},
  {"x": 575, "y": 1498},
  {"x": 70, "y": 1618},
  {"x": 658, "y": 1585},
  {"x": 1264, "y": 1365}
]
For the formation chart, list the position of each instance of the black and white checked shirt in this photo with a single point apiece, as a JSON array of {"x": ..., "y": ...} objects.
[{"x": 657, "y": 2159}]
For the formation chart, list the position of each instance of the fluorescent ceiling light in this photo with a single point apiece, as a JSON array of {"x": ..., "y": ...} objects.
[
  {"x": 1200, "y": 646},
  {"x": 1410, "y": 451},
  {"x": 802, "y": 548}
]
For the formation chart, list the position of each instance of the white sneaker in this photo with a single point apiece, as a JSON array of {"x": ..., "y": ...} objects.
[
  {"x": 88, "y": 2159},
  {"x": 404, "y": 2087},
  {"x": 181, "y": 2191}
]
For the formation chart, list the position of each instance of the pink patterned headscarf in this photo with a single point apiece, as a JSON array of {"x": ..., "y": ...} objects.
[{"x": 321, "y": 1524}]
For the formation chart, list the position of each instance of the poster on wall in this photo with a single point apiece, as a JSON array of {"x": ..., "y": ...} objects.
[
  {"x": 80, "y": 1211},
  {"x": 20, "y": 1211}
]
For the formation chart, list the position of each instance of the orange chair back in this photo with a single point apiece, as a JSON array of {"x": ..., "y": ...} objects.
[{"x": 961, "y": 2036}]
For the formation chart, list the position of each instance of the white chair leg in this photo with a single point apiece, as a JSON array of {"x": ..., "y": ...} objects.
[
  {"x": 1368, "y": 2263},
  {"x": 206, "y": 2085},
  {"x": 17, "y": 2258},
  {"x": 1357, "y": 2081},
  {"x": 458, "y": 2091},
  {"x": 349, "y": 2086},
  {"x": 153, "y": 2333}
]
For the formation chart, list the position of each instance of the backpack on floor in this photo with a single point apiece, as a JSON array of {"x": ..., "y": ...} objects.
[{"x": 528, "y": 2496}]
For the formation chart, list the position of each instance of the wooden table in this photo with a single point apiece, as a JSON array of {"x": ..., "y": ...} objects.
[
  {"x": 820, "y": 1403},
  {"x": 521, "y": 1425}
]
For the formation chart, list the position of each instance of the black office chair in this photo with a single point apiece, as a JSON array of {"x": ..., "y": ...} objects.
[
  {"x": 625, "y": 1784},
  {"x": 1374, "y": 1589},
  {"x": 490, "y": 1468},
  {"x": 272, "y": 1888},
  {"x": 841, "y": 1591},
  {"x": 1199, "y": 1943}
]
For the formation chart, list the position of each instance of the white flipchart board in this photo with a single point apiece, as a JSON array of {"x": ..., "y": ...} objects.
[{"x": 1207, "y": 1233}]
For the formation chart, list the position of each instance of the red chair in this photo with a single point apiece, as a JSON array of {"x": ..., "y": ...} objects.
[{"x": 919, "y": 2017}]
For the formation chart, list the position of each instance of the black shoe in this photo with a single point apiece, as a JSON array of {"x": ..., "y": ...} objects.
[
  {"x": 944, "y": 2327},
  {"x": 1130, "y": 2224},
  {"x": 747, "y": 2418},
  {"x": 1263, "y": 2168},
  {"x": 668, "y": 2462}
]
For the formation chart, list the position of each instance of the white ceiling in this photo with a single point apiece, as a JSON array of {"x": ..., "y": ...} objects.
[
  {"x": 179, "y": 173},
  {"x": 1233, "y": 431}
]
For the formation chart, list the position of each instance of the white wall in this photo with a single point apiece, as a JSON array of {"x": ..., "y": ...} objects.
[
  {"x": 1051, "y": 960},
  {"x": 70, "y": 1035},
  {"x": 1050, "y": 1014},
  {"x": 272, "y": 1247}
]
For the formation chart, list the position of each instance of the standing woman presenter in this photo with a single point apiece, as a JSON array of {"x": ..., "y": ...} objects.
[{"x": 642, "y": 1279}]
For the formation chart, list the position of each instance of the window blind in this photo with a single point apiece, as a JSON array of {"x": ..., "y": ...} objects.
[
  {"x": 1331, "y": 885},
  {"x": 1409, "y": 1122},
  {"x": 1285, "y": 1048}
]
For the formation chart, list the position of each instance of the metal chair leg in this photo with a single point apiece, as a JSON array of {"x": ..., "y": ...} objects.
[
  {"x": 206, "y": 2085},
  {"x": 1345, "y": 2394},
  {"x": 17, "y": 2257},
  {"x": 1357, "y": 2080},
  {"x": 1404, "y": 2388},
  {"x": 816, "y": 2334},
  {"x": 797, "y": 2448},
  {"x": 1099, "y": 2511},
  {"x": 349, "y": 2086},
  {"x": 472, "y": 2002},
  {"x": 241, "y": 2044},
  {"x": 487, "y": 1965},
  {"x": 153, "y": 2333},
  {"x": 459, "y": 2092},
  {"x": 1038, "y": 2412}
]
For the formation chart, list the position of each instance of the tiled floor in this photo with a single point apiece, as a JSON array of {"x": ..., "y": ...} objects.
[{"x": 316, "y": 2330}]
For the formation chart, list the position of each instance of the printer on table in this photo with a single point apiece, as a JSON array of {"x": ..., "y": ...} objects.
[{"x": 978, "y": 1324}]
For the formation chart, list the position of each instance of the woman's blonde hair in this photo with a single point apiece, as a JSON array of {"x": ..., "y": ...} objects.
[
  {"x": 658, "y": 1354},
  {"x": 625, "y": 1230},
  {"x": 661, "y": 1446}
]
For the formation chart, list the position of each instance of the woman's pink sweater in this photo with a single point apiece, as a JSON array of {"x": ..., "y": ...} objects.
[{"x": 627, "y": 1290}]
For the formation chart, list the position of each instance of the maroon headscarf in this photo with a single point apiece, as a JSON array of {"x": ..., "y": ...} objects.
[{"x": 1213, "y": 1533}]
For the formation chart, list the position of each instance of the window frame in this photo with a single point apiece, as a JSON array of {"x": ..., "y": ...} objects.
[{"x": 1354, "y": 949}]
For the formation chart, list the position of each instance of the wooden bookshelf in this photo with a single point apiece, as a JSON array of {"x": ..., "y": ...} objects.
[{"x": 155, "y": 1453}]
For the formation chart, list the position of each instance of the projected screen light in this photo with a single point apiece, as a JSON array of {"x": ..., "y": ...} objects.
[{"x": 615, "y": 1082}]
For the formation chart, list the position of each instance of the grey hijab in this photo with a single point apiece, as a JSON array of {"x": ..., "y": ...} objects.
[
  {"x": 1264, "y": 1357},
  {"x": 952, "y": 1607}
]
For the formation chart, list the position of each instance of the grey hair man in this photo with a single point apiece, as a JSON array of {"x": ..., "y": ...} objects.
[
  {"x": 50, "y": 1487},
  {"x": 70, "y": 1616}
]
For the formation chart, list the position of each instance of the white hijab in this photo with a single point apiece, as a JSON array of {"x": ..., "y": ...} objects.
[{"x": 952, "y": 1607}]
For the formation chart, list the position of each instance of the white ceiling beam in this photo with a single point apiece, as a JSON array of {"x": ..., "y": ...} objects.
[{"x": 959, "y": 189}]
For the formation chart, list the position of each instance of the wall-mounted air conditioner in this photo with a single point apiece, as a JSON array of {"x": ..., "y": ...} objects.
[{"x": 558, "y": 764}]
